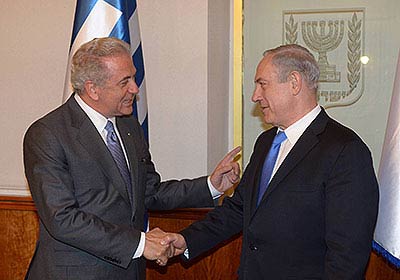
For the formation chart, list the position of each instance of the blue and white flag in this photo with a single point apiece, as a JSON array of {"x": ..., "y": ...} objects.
[
  {"x": 387, "y": 232},
  {"x": 111, "y": 18}
]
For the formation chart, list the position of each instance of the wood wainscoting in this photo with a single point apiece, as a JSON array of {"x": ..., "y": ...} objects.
[{"x": 19, "y": 231}]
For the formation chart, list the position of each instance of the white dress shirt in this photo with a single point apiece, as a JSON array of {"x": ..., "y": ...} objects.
[{"x": 293, "y": 134}]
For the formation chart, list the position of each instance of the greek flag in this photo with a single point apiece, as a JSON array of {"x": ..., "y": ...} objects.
[
  {"x": 111, "y": 18},
  {"x": 387, "y": 232}
]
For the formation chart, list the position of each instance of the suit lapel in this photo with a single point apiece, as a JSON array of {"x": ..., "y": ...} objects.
[
  {"x": 91, "y": 140},
  {"x": 302, "y": 147},
  {"x": 127, "y": 135}
]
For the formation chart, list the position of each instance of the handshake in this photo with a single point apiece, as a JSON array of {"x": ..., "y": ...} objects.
[{"x": 160, "y": 246}]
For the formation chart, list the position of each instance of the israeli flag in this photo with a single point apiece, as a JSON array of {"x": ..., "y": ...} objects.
[
  {"x": 387, "y": 231},
  {"x": 111, "y": 18}
]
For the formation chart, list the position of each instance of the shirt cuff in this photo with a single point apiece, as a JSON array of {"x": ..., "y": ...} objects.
[
  {"x": 140, "y": 247},
  {"x": 186, "y": 253},
  {"x": 214, "y": 192}
]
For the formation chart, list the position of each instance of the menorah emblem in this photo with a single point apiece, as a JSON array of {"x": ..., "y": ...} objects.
[
  {"x": 322, "y": 43},
  {"x": 336, "y": 34}
]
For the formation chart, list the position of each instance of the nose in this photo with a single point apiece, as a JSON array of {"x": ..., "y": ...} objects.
[
  {"x": 133, "y": 87},
  {"x": 256, "y": 96}
]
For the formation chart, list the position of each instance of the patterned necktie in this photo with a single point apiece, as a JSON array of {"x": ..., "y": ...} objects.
[
  {"x": 269, "y": 164},
  {"x": 116, "y": 151}
]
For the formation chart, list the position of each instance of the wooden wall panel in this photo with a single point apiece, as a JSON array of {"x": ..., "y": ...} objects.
[
  {"x": 379, "y": 269},
  {"x": 19, "y": 231},
  {"x": 18, "y": 234}
]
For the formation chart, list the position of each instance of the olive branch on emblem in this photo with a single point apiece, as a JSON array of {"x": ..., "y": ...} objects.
[
  {"x": 353, "y": 52},
  {"x": 291, "y": 31}
]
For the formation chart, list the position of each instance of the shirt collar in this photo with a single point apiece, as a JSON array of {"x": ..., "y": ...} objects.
[
  {"x": 294, "y": 131},
  {"x": 97, "y": 119}
]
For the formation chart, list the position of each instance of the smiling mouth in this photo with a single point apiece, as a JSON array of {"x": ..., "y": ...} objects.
[{"x": 128, "y": 102}]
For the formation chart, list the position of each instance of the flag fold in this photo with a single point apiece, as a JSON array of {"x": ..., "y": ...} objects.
[{"x": 387, "y": 231}]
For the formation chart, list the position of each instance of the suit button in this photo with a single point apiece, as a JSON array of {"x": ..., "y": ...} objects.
[{"x": 253, "y": 247}]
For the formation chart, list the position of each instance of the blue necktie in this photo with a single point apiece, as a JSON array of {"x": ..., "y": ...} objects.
[
  {"x": 269, "y": 164},
  {"x": 116, "y": 151}
]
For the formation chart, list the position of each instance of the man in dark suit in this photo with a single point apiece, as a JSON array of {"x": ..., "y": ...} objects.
[
  {"x": 92, "y": 179},
  {"x": 314, "y": 217}
]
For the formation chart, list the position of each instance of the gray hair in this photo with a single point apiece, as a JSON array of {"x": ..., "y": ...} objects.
[
  {"x": 288, "y": 58},
  {"x": 88, "y": 61}
]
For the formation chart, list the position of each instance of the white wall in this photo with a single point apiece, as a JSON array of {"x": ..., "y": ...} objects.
[
  {"x": 33, "y": 53},
  {"x": 218, "y": 91},
  {"x": 186, "y": 52},
  {"x": 175, "y": 56},
  {"x": 175, "y": 36}
]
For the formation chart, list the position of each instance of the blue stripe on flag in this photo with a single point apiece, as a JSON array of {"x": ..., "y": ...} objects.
[
  {"x": 127, "y": 6},
  {"x": 138, "y": 61},
  {"x": 121, "y": 29},
  {"x": 130, "y": 8},
  {"x": 145, "y": 126}
]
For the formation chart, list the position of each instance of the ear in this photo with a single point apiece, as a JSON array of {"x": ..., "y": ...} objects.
[
  {"x": 296, "y": 82},
  {"x": 91, "y": 90}
]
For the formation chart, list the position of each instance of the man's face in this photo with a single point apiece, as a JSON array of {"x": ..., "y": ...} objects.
[
  {"x": 118, "y": 93},
  {"x": 273, "y": 96}
]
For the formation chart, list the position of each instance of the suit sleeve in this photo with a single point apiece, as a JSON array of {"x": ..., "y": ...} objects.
[
  {"x": 351, "y": 211},
  {"x": 177, "y": 193},
  {"x": 53, "y": 190},
  {"x": 170, "y": 194},
  {"x": 219, "y": 225}
]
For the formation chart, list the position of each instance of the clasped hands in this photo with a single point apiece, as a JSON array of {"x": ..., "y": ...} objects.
[{"x": 161, "y": 246}]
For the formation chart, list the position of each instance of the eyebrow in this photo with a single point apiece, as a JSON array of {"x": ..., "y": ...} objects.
[
  {"x": 125, "y": 78},
  {"x": 260, "y": 80}
]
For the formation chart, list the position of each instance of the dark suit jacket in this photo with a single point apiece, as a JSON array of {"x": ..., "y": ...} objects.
[
  {"x": 317, "y": 217},
  {"x": 88, "y": 227}
]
